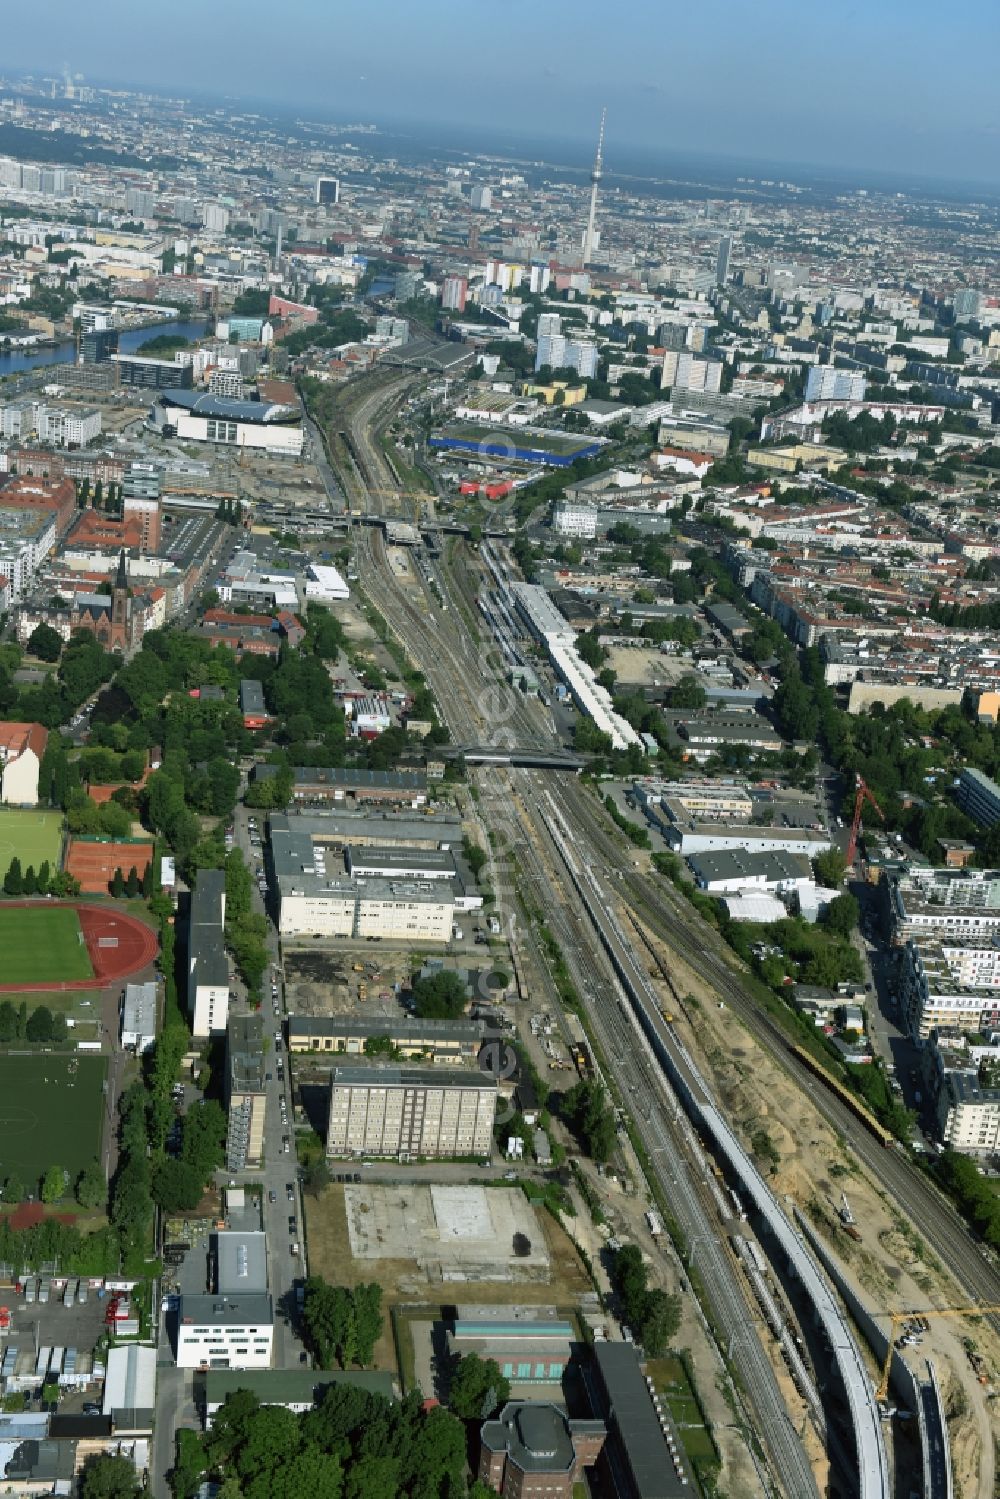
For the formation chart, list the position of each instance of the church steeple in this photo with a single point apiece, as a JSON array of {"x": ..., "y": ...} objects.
[{"x": 119, "y": 592}]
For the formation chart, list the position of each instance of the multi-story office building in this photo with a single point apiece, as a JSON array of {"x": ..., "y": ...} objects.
[
  {"x": 979, "y": 797},
  {"x": 406, "y": 285},
  {"x": 246, "y": 1099},
  {"x": 234, "y": 1327},
  {"x": 826, "y": 383},
  {"x": 97, "y": 345},
  {"x": 228, "y": 383},
  {"x": 208, "y": 966},
  {"x": 152, "y": 374},
  {"x": 454, "y": 291},
  {"x": 722, "y": 260},
  {"x": 967, "y": 304},
  {"x": 481, "y": 197},
  {"x": 572, "y": 519},
  {"x": 410, "y": 1112},
  {"x": 327, "y": 191}
]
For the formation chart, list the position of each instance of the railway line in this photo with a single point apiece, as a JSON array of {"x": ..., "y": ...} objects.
[{"x": 466, "y": 678}]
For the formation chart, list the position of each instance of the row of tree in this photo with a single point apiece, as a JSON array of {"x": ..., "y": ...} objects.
[
  {"x": 40, "y": 1026},
  {"x": 18, "y": 881}
]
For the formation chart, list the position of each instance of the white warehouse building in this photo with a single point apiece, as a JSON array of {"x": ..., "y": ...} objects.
[{"x": 195, "y": 417}]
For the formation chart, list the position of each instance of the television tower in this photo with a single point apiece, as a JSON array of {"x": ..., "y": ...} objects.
[{"x": 595, "y": 177}]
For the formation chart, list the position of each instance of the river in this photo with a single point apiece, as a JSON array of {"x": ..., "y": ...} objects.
[{"x": 15, "y": 362}]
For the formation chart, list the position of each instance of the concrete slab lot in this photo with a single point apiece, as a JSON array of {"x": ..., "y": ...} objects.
[{"x": 462, "y": 1233}]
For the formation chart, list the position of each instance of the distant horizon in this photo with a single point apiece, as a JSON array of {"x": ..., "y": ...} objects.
[
  {"x": 862, "y": 92},
  {"x": 639, "y": 162}
]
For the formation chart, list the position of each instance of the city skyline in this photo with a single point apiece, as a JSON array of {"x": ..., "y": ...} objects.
[{"x": 843, "y": 90}]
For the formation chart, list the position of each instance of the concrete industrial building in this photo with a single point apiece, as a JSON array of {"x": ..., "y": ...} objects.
[
  {"x": 531, "y": 1344},
  {"x": 246, "y": 1098},
  {"x": 138, "y": 1022},
  {"x": 208, "y": 966},
  {"x": 318, "y": 895},
  {"x": 532, "y": 1450},
  {"x": 437, "y": 1041},
  {"x": 637, "y": 1433},
  {"x": 232, "y": 1328},
  {"x": 409, "y": 1113}
]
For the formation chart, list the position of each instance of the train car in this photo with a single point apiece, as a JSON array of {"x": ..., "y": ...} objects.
[{"x": 849, "y": 1099}]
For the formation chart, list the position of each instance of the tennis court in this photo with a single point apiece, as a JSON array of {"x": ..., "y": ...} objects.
[{"x": 32, "y": 837}]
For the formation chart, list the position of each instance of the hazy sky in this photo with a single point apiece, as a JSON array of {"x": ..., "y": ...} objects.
[{"x": 891, "y": 85}]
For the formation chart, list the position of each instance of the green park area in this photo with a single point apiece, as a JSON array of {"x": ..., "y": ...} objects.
[
  {"x": 32, "y": 837},
  {"x": 42, "y": 944},
  {"x": 51, "y": 1109}
]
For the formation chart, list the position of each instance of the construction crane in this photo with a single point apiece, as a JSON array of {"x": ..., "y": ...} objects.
[
  {"x": 863, "y": 795},
  {"x": 898, "y": 1319}
]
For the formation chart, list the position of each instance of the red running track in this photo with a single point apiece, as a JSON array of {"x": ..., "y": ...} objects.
[{"x": 137, "y": 947}]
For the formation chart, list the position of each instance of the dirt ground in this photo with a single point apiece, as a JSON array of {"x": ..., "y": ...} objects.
[
  {"x": 894, "y": 1268},
  {"x": 647, "y": 668},
  {"x": 325, "y": 983}
]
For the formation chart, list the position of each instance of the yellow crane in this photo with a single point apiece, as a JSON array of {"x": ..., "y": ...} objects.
[{"x": 899, "y": 1319}]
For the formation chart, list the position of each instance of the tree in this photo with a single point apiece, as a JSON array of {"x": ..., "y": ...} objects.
[
  {"x": 118, "y": 884},
  {"x": 13, "y": 1190},
  {"x": 177, "y": 1186},
  {"x": 13, "y": 880},
  {"x": 132, "y": 883},
  {"x": 477, "y": 1388},
  {"x": 104, "y": 1477},
  {"x": 342, "y": 1323},
  {"x": 688, "y": 694},
  {"x": 316, "y": 1176},
  {"x": 189, "y": 1464},
  {"x": 830, "y": 867},
  {"x": 91, "y": 1188},
  {"x": 587, "y": 1112},
  {"x": 39, "y": 1027},
  {"x": 29, "y": 884},
  {"x": 841, "y": 915},
  {"x": 8, "y": 1022},
  {"x": 53, "y": 1185},
  {"x": 45, "y": 643},
  {"x": 439, "y": 996},
  {"x": 204, "y": 1140}
]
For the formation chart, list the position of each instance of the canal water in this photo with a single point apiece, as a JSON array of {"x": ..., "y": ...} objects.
[{"x": 16, "y": 361}]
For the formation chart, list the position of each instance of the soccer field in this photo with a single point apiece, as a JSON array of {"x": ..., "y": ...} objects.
[
  {"x": 51, "y": 1109},
  {"x": 32, "y": 836},
  {"x": 42, "y": 945}
]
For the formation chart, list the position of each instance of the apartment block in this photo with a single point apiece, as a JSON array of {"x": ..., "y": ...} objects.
[{"x": 410, "y": 1112}]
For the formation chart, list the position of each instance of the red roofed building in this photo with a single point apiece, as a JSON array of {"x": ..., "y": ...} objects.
[
  {"x": 684, "y": 461},
  {"x": 22, "y": 746},
  {"x": 55, "y": 495}
]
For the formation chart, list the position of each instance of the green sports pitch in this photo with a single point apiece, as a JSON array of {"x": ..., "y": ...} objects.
[
  {"x": 32, "y": 837},
  {"x": 51, "y": 1111},
  {"x": 42, "y": 945}
]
